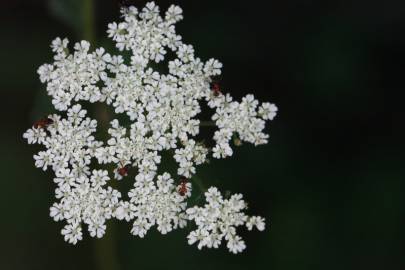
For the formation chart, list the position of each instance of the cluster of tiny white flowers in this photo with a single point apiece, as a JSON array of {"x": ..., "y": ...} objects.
[
  {"x": 163, "y": 110},
  {"x": 152, "y": 204},
  {"x": 218, "y": 219}
]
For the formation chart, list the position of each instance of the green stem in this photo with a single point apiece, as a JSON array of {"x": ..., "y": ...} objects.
[
  {"x": 88, "y": 20},
  {"x": 105, "y": 248},
  {"x": 199, "y": 183}
]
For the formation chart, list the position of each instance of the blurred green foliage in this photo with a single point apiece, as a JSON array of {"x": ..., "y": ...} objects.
[{"x": 68, "y": 12}]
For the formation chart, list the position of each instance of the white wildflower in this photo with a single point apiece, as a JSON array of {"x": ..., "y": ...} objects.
[{"x": 163, "y": 110}]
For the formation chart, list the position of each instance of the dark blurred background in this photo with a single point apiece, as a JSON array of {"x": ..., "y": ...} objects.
[{"x": 330, "y": 182}]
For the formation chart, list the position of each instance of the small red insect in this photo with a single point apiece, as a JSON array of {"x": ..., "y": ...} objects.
[
  {"x": 216, "y": 89},
  {"x": 123, "y": 170},
  {"x": 183, "y": 186},
  {"x": 43, "y": 123}
]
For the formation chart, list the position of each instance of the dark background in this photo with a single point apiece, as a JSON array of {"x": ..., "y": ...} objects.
[{"x": 330, "y": 182}]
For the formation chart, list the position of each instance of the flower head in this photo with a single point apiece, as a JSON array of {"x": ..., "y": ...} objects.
[{"x": 163, "y": 109}]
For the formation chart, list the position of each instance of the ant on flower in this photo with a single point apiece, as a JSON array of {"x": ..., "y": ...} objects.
[{"x": 183, "y": 189}]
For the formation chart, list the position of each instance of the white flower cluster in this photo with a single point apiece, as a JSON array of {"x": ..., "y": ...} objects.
[
  {"x": 218, "y": 219},
  {"x": 152, "y": 204},
  {"x": 163, "y": 110}
]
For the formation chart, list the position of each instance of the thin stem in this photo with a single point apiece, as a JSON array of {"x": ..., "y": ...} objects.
[
  {"x": 88, "y": 20},
  {"x": 199, "y": 183},
  {"x": 105, "y": 248}
]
